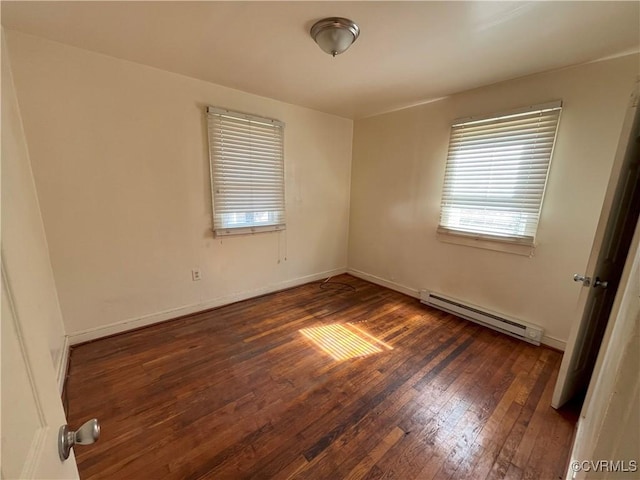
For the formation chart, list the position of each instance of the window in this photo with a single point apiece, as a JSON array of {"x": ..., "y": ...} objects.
[
  {"x": 246, "y": 156},
  {"x": 496, "y": 174}
]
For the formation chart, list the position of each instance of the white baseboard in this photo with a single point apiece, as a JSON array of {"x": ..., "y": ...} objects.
[
  {"x": 150, "y": 319},
  {"x": 385, "y": 283},
  {"x": 546, "y": 340},
  {"x": 554, "y": 343},
  {"x": 63, "y": 363},
  {"x": 130, "y": 324}
]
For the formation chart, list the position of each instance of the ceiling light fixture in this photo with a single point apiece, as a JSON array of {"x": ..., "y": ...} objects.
[{"x": 334, "y": 35}]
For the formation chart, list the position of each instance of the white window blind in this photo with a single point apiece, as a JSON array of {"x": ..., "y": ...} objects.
[
  {"x": 496, "y": 174},
  {"x": 247, "y": 172}
]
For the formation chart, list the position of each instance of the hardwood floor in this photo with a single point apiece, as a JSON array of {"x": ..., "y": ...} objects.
[{"x": 239, "y": 392}]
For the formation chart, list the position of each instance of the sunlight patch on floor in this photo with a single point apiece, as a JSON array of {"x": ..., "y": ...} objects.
[{"x": 344, "y": 341}]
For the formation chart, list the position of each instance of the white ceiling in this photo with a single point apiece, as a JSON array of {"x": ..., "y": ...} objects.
[{"x": 407, "y": 53}]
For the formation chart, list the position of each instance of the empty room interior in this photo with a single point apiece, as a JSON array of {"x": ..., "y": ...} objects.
[{"x": 320, "y": 240}]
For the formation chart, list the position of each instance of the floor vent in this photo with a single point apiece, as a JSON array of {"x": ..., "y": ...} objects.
[{"x": 515, "y": 328}]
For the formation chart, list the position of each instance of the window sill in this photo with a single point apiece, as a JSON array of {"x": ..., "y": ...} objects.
[
  {"x": 504, "y": 246},
  {"x": 224, "y": 232}
]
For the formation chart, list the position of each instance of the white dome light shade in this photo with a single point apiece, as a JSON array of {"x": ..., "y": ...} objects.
[{"x": 334, "y": 35}]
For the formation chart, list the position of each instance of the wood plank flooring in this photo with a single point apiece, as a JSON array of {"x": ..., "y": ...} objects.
[{"x": 239, "y": 392}]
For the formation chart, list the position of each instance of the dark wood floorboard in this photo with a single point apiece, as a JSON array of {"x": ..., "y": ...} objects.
[{"x": 239, "y": 392}]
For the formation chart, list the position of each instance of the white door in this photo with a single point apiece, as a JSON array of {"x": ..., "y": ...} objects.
[
  {"x": 32, "y": 411},
  {"x": 611, "y": 245}
]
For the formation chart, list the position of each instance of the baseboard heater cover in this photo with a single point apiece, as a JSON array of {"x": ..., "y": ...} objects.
[{"x": 515, "y": 328}]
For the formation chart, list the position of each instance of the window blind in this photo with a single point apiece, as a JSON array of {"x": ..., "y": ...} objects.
[
  {"x": 496, "y": 174},
  {"x": 247, "y": 172}
]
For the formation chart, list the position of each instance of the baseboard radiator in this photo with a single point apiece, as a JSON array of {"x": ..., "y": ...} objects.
[{"x": 515, "y": 328}]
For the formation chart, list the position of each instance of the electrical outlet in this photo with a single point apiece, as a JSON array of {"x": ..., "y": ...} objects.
[{"x": 195, "y": 274}]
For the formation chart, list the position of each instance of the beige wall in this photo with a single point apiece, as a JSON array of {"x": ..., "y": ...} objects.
[
  {"x": 398, "y": 168},
  {"x": 119, "y": 154},
  {"x": 25, "y": 254},
  {"x": 119, "y": 157}
]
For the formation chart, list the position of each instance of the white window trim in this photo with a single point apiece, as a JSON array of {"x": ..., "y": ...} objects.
[
  {"x": 486, "y": 244},
  {"x": 214, "y": 159},
  {"x": 509, "y": 244}
]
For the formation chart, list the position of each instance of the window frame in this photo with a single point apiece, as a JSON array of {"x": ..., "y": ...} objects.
[
  {"x": 276, "y": 220},
  {"x": 510, "y": 243}
]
